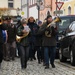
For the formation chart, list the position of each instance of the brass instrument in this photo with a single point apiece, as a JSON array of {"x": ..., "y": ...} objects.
[
  {"x": 19, "y": 38},
  {"x": 0, "y": 21},
  {"x": 47, "y": 33}
]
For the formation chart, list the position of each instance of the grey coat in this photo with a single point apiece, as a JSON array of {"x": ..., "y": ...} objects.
[{"x": 48, "y": 41}]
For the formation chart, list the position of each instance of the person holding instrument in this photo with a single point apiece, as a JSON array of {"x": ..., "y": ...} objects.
[
  {"x": 23, "y": 31},
  {"x": 49, "y": 41}
]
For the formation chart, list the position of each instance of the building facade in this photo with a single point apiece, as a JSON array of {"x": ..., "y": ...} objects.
[
  {"x": 9, "y": 7},
  {"x": 49, "y": 8},
  {"x": 24, "y": 7},
  {"x": 32, "y": 7},
  {"x": 68, "y": 7}
]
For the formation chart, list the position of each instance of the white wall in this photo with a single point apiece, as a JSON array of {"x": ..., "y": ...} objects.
[
  {"x": 4, "y": 4},
  {"x": 24, "y": 8},
  {"x": 33, "y": 12}
]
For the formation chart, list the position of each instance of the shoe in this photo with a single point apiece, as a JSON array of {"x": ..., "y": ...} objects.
[
  {"x": 25, "y": 65},
  {"x": 53, "y": 66},
  {"x": 47, "y": 67},
  {"x": 39, "y": 62}
]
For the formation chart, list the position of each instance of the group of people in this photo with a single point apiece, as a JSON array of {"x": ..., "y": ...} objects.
[{"x": 28, "y": 37}]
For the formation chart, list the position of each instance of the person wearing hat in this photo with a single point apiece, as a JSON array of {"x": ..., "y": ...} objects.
[
  {"x": 11, "y": 40},
  {"x": 49, "y": 43},
  {"x": 24, "y": 43}
]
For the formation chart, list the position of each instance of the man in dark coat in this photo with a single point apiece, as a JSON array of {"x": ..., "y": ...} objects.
[
  {"x": 2, "y": 27},
  {"x": 49, "y": 43},
  {"x": 32, "y": 39},
  {"x": 11, "y": 40}
]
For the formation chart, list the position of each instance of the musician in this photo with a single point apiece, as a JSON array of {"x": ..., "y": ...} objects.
[
  {"x": 2, "y": 27},
  {"x": 24, "y": 43},
  {"x": 49, "y": 43}
]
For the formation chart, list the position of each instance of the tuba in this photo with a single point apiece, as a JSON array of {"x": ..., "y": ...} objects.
[{"x": 47, "y": 33}]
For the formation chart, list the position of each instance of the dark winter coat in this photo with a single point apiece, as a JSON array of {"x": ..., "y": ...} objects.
[
  {"x": 24, "y": 41},
  {"x": 48, "y": 41},
  {"x": 38, "y": 38},
  {"x": 11, "y": 31},
  {"x": 32, "y": 37}
]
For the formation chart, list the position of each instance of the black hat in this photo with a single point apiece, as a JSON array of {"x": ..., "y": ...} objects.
[
  {"x": 4, "y": 19},
  {"x": 8, "y": 18},
  {"x": 48, "y": 16}
]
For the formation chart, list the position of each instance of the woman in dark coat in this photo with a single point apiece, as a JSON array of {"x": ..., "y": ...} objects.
[{"x": 32, "y": 39}]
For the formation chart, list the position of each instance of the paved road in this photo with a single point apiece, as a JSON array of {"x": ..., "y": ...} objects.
[{"x": 14, "y": 68}]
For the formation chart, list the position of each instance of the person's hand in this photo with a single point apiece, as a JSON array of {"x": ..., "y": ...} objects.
[{"x": 24, "y": 31}]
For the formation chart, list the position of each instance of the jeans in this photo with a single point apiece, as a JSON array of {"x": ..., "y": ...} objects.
[
  {"x": 10, "y": 50},
  {"x": 49, "y": 53},
  {"x": 40, "y": 53},
  {"x": 24, "y": 55}
]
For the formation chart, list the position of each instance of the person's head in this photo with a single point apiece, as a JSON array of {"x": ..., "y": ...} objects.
[
  {"x": 5, "y": 20},
  {"x": 9, "y": 20},
  {"x": 24, "y": 22},
  {"x": 31, "y": 20},
  {"x": 40, "y": 23},
  {"x": 49, "y": 18}
]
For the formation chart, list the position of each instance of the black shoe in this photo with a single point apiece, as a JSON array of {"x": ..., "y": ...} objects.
[
  {"x": 39, "y": 62},
  {"x": 53, "y": 66},
  {"x": 47, "y": 67},
  {"x": 25, "y": 65}
]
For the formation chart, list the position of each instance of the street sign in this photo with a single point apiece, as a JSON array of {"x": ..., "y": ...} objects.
[
  {"x": 59, "y": 12},
  {"x": 59, "y": 4},
  {"x": 22, "y": 13}
]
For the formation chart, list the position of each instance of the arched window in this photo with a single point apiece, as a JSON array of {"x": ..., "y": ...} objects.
[{"x": 69, "y": 10}]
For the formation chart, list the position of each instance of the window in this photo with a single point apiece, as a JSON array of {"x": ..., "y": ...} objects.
[
  {"x": 65, "y": 22},
  {"x": 10, "y": 4},
  {"x": 10, "y": 0},
  {"x": 69, "y": 10}
]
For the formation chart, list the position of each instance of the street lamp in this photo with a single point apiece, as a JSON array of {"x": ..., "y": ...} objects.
[
  {"x": 18, "y": 11},
  {"x": 38, "y": 7}
]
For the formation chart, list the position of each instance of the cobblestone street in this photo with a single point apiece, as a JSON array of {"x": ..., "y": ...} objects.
[{"x": 14, "y": 68}]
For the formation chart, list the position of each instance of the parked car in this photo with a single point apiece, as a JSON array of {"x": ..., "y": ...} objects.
[
  {"x": 62, "y": 27},
  {"x": 67, "y": 45}
]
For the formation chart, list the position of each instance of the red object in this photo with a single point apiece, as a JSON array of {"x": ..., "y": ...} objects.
[{"x": 59, "y": 4}]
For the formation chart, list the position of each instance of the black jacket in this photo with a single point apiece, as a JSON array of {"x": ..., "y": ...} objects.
[
  {"x": 11, "y": 31},
  {"x": 2, "y": 27},
  {"x": 32, "y": 37},
  {"x": 48, "y": 41}
]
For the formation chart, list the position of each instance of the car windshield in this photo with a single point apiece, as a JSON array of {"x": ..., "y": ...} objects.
[{"x": 65, "y": 22}]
